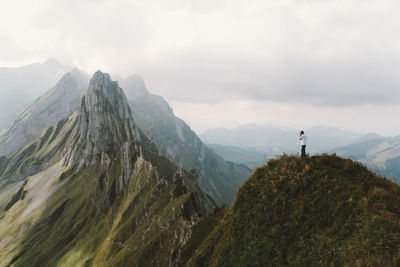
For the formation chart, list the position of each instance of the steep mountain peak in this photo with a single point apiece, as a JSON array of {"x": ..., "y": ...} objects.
[
  {"x": 104, "y": 122},
  {"x": 134, "y": 87},
  {"x": 81, "y": 77},
  {"x": 105, "y": 98},
  {"x": 102, "y": 78},
  {"x": 119, "y": 196},
  {"x": 66, "y": 81},
  {"x": 56, "y": 104},
  {"x": 136, "y": 79},
  {"x": 51, "y": 62},
  {"x": 369, "y": 136}
]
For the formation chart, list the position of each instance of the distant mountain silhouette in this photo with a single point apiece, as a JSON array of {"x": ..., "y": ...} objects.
[
  {"x": 381, "y": 154},
  {"x": 271, "y": 139},
  {"x": 56, "y": 104},
  {"x": 19, "y": 87}
]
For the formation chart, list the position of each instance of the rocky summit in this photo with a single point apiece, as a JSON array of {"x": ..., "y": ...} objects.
[
  {"x": 104, "y": 122},
  {"x": 98, "y": 194}
]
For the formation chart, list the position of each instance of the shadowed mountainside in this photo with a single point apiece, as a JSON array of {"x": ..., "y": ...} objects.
[{"x": 176, "y": 141}]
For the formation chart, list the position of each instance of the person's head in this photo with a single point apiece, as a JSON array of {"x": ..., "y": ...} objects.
[{"x": 301, "y": 132}]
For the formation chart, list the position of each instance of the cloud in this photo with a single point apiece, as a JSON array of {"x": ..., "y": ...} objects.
[{"x": 315, "y": 52}]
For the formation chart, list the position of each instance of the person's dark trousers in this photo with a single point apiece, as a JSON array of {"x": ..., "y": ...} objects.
[{"x": 303, "y": 151}]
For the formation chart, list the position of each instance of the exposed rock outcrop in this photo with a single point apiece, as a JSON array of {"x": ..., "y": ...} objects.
[
  {"x": 176, "y": 141},
  {"x": 117, "y": 198},
  {"x": 104, "y": 123}
]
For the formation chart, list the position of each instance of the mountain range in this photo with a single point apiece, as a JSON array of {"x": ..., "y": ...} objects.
[
  {"x": 381, "y": 154},
  {"x": 172, "y": 136},
  {"x": 113, "y": 178},
  {"x": 19, "y": 87},
  {"x": 239, "y": 155},
  {"x": 56, "y": 104},
  {"x": 176, "y": 141},
  {"x": 272, "y": 139},
  {"x": 98, "y": 189}
]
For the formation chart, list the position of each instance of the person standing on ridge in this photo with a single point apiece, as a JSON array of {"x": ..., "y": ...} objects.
[{"x": 303, "y": 143}]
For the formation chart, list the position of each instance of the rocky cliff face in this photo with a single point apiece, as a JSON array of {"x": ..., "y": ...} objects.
[
  {"x": 104, "y": 122},
  {"x": 98, "y": 190},
  {"x": 56, "y": 104},
  {"x": 176, "y": 141},
  {"x": 97, "y": 129}
]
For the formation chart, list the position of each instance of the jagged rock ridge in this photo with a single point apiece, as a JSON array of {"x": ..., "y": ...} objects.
[
  {"x": 104, "y": 122},
  {"x": 115, "y": 200},
  {"x": 176, "y": 141}
]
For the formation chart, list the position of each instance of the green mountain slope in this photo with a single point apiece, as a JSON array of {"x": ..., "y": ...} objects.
[
  {"x": 321, "y": 211},
  {"x": 176, "y": 141},
  {"x": 173, "y": 137},
  {"x": 98, "y": 194}
]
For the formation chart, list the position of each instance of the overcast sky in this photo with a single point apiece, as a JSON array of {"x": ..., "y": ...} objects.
[{"x": 222, "y": 63}]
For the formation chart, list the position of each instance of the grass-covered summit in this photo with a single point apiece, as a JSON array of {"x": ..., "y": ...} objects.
[{"x": 318, "y": 211}]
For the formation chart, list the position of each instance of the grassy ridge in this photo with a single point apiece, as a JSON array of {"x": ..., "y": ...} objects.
[
  {"x": 68, "y": 224},
  {"x": 148, "y": 223},
  {"x": 319, "y": 211}
]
